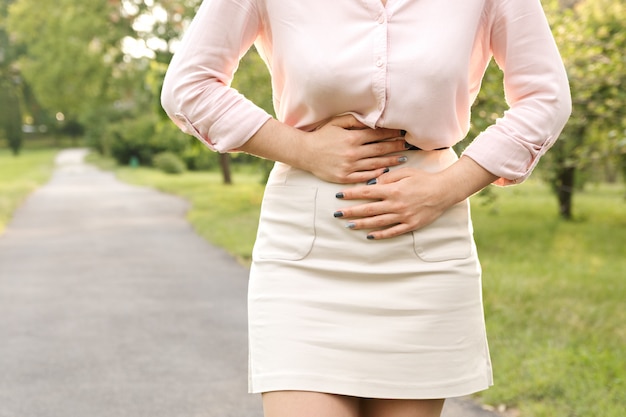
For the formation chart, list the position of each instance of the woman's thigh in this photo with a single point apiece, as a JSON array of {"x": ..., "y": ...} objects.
[
  {"x": 401, "y": 408},
  {"x": 309, "y": 404}
]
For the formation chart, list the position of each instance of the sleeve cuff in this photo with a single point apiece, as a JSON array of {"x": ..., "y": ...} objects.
[{"x": 230, "y": 135}]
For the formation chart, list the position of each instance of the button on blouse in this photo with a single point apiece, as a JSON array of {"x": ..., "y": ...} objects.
[{"x": 410, "y": 65}]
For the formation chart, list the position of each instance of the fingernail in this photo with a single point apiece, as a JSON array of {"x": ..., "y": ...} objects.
[
  {"x": 370, "y": 237},
  {"x": 403, "y": 159},
  {"x": 338, "y": 214},
  {"x": 386, "y": 170},
  {"x": 407, "y": 145},
  {"x": 350, "y": 225},
  {"x": 402, "y": 132},
  {"x": 372, "y": 181},
  {"x": 339, "y": 195}
]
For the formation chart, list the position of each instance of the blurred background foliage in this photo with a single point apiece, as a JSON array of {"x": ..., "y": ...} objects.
[{"x": 93, "y": 71}]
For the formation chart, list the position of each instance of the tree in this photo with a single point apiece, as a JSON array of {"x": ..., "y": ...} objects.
[
  {"x": 10, "y": 107},
  {"x": 65, "y": 60},
  {"x": 592, "y": 41},
  {"x": 11, "y": 115},
  {"x": 73, "y": 57},
  {"x": 91, "y": 62}
]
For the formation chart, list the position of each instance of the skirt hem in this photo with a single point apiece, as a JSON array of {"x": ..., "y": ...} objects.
[{"x": 368, "y": 389}]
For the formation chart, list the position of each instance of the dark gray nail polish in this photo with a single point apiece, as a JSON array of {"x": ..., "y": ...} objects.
[
  {"x": 372, "y": 181},
  {"x": 338, "y": 214},
  {"x": 386, "y": 170},
  {"x": 370, "y": 237},
  {"x": 350, "y": 225},
  {"x": 403, "y": 159},
  {"x": 339, "y": 195}
]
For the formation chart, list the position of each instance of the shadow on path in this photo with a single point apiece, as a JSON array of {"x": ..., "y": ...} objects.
[{"x": 111, "y": 305}]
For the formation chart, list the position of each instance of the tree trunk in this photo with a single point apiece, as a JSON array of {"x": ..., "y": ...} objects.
[
  {"x": 13, "y": 125},
  {"x": 565, "y": 191},
  {"x": 225, "y": 165}
]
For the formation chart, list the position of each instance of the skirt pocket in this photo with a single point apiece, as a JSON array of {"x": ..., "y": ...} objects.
[
  {"x": 287, "y": 223},
  {"x": 449, "y": 237}
]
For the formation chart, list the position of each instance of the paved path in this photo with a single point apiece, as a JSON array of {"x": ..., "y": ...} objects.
[{"x": 111, "y": 306}]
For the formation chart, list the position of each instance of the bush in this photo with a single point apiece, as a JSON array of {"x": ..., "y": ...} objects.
[
  {"x": 144, "y": 137},
  {"x": 169, "y": 163},
  {"x": 198, "y": 157}
]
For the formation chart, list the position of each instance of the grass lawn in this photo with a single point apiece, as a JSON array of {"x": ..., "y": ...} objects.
[
  {"x": 554, "y": 290},
  {"x": 20, "y": 175},
  {"x": 554, "y": 296}
]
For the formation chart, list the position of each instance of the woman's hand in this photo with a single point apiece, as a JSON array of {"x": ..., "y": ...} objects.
[
  {"x": 342, "y": 150},
  {"x": 402, "y": 200},
  {"x": 345, "y": 151},
  {"x": 407, "y": 199}
]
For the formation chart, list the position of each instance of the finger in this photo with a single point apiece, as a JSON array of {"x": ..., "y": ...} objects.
[
  {"x": 396, "y": 175},
  {"x": 393, "y": 231},
  {"x": 347, "y": 121},
  {"x": 376, "y": 166},
  {"x": 378, "y": 135},
  {"x": 350, "y": 122},
  {"x": 384, "y": 134},
  {"x": 365, "y": 210},
  {"x": 365, "y": 192},
  {"x": 376, "y": 222},
  {"x": 362, "y": 177},
  {"x": 372, "y": 149},
  {"x": 364, "y": 170}
]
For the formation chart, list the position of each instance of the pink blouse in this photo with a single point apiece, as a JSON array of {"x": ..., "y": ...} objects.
[{"x": 414, "y": 65}]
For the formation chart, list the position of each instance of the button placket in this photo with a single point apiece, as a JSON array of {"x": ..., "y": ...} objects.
[{"x": 379, "y": 81}]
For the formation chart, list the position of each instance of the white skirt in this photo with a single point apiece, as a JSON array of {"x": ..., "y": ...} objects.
[{"x": 333, "y": 312}]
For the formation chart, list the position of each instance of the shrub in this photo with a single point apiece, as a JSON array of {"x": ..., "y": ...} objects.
[
  {"x": 169, "y": 162},
  {"x": 199, "y": 158},
  {"x": 144, "y": 137}
]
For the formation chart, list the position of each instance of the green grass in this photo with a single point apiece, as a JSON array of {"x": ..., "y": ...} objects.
[
  {"x": 554, "y": 298},
  {"x": 20, "y": 175}
]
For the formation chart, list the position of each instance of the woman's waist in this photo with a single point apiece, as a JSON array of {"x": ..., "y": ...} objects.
[{"x": 429, "y": 161}]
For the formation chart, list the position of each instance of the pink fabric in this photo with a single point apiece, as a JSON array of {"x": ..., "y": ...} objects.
[{"x": 411, "y": 65}]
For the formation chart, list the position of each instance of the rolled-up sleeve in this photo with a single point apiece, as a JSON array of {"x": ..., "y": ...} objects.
[
  {"x": 196, "y": 92},
  {"x": 536, "y": 90}
]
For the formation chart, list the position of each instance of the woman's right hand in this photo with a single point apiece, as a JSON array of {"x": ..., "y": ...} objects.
[
  {"x": 345, "y": 151},
  {"x": 341, "y": 150}
]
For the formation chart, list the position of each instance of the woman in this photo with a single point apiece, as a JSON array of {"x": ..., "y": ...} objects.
[{"x": 365, "y": 292}]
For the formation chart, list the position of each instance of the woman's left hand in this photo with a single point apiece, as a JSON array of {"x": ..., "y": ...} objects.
[
  {"x": 402, "y": 200},
  {"x": 407, "y": 199}
]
